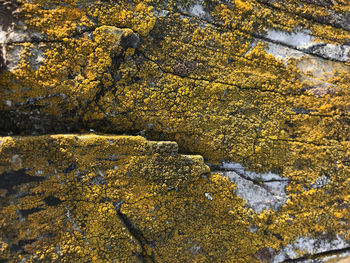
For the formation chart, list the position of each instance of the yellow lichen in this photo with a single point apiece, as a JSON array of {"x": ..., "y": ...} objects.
[{"x": 208, "y": 84}]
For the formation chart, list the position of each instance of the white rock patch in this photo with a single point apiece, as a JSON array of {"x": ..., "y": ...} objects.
[
  {"x": 252, "y": 175},
  {"x": 294, "y": 44},
  {"x": 197, "y": 10},
  {"x": 282, "y": 52},
  {"x": 310, "y": 246},
  {"x": 299, "y": 40},
  {"x": 207, "y": 195},
  {"x": 3, "y": 35},
  {"x": 269, "y": 194}
]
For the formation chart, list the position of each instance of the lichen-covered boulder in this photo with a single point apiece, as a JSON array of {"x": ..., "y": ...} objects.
[
  {"x": 242, "y": 81},
  {"x": 259, "y": 88},
  {"x": 124, "y": 199},
  {"x": 71, "y": 198}
]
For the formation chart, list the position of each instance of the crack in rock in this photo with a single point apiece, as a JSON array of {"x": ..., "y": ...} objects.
[
  {"x": 312, "y": 250},
  {"x": 136, "y": 233},
  {"x": 284, "y": 45},
  {"x": 261, "y": 191}
]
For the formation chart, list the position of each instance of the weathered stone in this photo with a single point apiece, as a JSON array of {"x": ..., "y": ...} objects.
[{"x": 262, "y": 84}]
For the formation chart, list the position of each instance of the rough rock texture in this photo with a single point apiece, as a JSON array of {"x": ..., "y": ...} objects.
[
  {"x": 103, "y": 199},
  {"x": 8, "y": 14},
  {"x": 259, "y": 83},
  {"x": 80, "y": 198}
]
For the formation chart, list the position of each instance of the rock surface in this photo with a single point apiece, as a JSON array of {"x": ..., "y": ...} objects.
[{"x": 259, "y": 83}]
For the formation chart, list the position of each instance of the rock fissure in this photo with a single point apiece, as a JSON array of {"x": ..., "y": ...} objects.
[
  {"x": 320, "y": 255},
  {"x": 146, "y": 255},
  {"x": 216, "y": 81},
  {"x": 308, "y": 17},
  {"x": 303, "y": 50},
  {"x": 269, "y": 40},
  {"x": 259, "y": 90}
]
